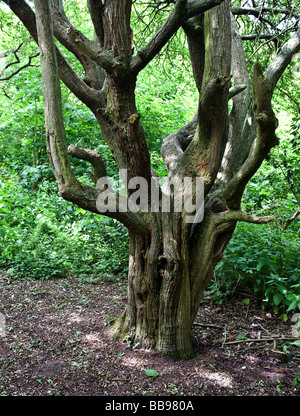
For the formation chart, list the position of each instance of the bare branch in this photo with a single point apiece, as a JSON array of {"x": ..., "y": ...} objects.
[
  {"x": 237, "y": 215},
  {"x": 69, "y": 187},
  {"x": 204, "y": 154},
  {"x": 77, "y": 43},
  {"x": 258, "y": 36},
  {"x": 90, "y": 156},
  {"x": 291, "y": 219},
  {"x": 296, "y": 102},
  {"x": 233, "y": 91},
  {"x": 259, "y": 131},
  {"x": 55, "y": 131},
  {"x": 282, "y": 60},
  {"x": 20, "y": 68},
  {"x": 266, "y": 124},
  {"x": 87, "y": 95},
  {"x": 181, "y": 12},
  {"x": 258, "y": 11},
  {"x": 95, "y": 9},
  {"x": 236, "y": 147},
  {"x": 175, "y": 144},
  {"x": 14, "y": 51}
]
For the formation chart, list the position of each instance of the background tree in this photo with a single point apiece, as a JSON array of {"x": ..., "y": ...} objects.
[{"x": 171, "y": 261}]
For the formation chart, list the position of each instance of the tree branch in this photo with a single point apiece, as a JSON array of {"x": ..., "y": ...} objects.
[
  {"x": 236, "y": 148},
  {"x": 282, "y": 60},
  {"x": 262, "y": 122},
  {"x": 182, "y": 11},
  {"x": 70, "y": 78},
  {"x": 17, "y": 62},
  {"x": 204, "y": 154},
  {"x": 266, "y": 124},
  {"x": 233, "y": 91},
  {"x": 69, "y": 187},
  {"x": 291, "y": 219},
  {"x": 14, "y": 51},
  {"x": 194, "y": 30},
  {"x": 175, "y": 144},
  {"x": 259, "y": 36},
  {"x": 95, "y": 9},
  {"x": 55, "y": 131},
  {"x": 257, "y": 11},
  {"x": 77, "y": 43},
  {"x": 91, "y": 156},
  {"x": 296, "y": 102},
  {"x": 237, "y": 215}
]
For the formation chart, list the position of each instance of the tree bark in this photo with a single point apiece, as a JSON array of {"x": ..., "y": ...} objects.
[{"x": 158, "y": 313}]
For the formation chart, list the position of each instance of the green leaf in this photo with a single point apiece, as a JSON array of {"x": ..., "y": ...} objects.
[
  {"x": 151, "y": 373},
  {"x": 241, "y": 336},
  {"x": 260, "y": 264},
  {"x": 277, "y": 298},
  {"x": 297, "y": 343},
  {"x": 293, "y": 305}
]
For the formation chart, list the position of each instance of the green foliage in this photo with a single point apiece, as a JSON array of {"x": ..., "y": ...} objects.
[
  {"x": 151, "y": 373},
  {"x": 263, "y": 261},
  {"x": 166, "y": 102},
  {"x": 42, "y": 236},
  {"x": 296, "y": 381}
]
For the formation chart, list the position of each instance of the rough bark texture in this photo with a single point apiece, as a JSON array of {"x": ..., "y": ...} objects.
[{"x": 171, "y": 261}]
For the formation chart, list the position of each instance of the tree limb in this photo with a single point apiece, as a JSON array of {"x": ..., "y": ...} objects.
[
  {"x": 17, "y": 62},
  {"x": 69, "y": 187},
  {"x": 237, "y": 215},
  {"x": 181, "y": 12},
  {"x": 204, "y": 154},
  {"x": 258, "y": 36},
  {"x": 55, "y": 131},
  {"x": 91, "y": 156},
  {"x": 240, "y": 105},
  {"x": 262, "y": 120},
  {"x": 175, "y": 144},
  {"x": 70, "y": 78},
  {"x": 233, "y": 91},
  {"x": 95, "y": 9},
  {"x": 266, "y": 124},
  {"x": 77, "y": 43},
  {"x": 194, "y": 30},
  {"x": 257, "y": 11},
  {"x": 291, "y": 219},
  {"x": 284, "y": 57}
]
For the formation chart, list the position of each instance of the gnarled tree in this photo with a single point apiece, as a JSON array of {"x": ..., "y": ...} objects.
[{"x": 171, "y": 260}]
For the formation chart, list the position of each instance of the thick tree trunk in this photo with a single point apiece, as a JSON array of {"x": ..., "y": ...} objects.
[
  {"x": 158, "y": 313},
  {"x": 166, "y": 281}
]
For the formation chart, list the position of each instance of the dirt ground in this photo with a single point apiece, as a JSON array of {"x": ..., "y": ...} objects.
[{"x": 57, "y": 343}]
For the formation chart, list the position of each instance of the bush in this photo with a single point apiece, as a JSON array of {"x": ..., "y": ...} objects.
[
  {"x": 43, "y": 236},
  {"x": 265, "y": 260}
]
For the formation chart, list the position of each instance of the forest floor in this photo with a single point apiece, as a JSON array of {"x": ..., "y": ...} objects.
[{"x": 57, "y": 343}]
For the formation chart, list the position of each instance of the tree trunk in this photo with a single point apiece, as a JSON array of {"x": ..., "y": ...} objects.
[{"x": 168, "y": 274}]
